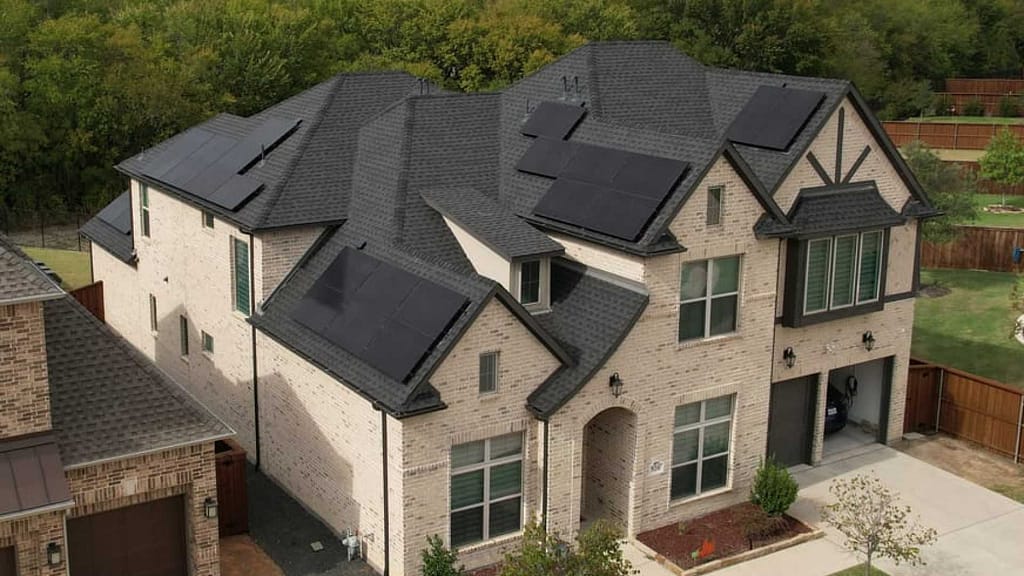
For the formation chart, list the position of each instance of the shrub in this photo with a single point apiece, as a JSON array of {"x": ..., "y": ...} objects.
[
  {"x": 597, "y": 553},
  {"x": 438, "y": 560},
  {"x": 973, "y": 107},
  {"x": 1009, "y": 106},
  {"x": 759, "y": 526},
  {"x": 774, "y": 488}
]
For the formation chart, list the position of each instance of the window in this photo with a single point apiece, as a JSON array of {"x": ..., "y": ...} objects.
[
  {"x": 144, "y": 208},
  {"x": 529, "y": 282},
  {"x": 240, "y": 275},
  {"x": 486, "y": 489},
  {"x": 207, "y": 219},
  {"x": 842, "y": 271},
  {"x": 715, "y": 198},
  {"x": 207, "y": 342},
  {"x": 183, "y": 328},
  {"x": 700, "y": 447},
  {"x": 488, "y": 372},
  {"x": 152, "y": 313},
  {"x": 708, "y": 298}
]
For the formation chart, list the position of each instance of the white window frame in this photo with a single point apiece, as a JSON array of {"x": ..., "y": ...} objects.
[
  {"x": 494, "y": 376},
  {"x": 721, "y": 206},
  {"x": 209, "y": 221},
  {"x": 701, "y": 424},
  {"x": 708, "y": 298},
  {"x": 206, "y": 338},
  {"x": 830, "y": 276},
  {"x": 543, "y": 302},
  {"x": 144, "y": 218},
  {"x": 486, "y": 501}
]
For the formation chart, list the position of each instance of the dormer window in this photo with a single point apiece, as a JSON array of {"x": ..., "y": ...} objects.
[{"x": 530, "y": 283}]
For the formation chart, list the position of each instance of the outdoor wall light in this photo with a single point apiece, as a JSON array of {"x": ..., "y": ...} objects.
[
  {"x": 210, "y": 508},
  {"x": 868, "y": 339},
  {"x": 789, "y": 357},
  {"x": 615, "y": 383},
  {"x": 53, "y": 555}
]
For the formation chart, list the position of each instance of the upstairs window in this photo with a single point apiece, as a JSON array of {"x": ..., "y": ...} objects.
[
  {"x": 207, "y": 342},
  {"x": 486, "y": 489},
  {"x": 183, "y": 325},
  {"x": 144, "y": 208},
  {"x": 709, "y": 298},
  {"x": 240, "y": 289},
  {"x": 488, "y": 372},
  {"x": 530, "y": 283},
  {"x": 842, "y": 271},
  {"x": 715, "y": 198},
  {"x": 207, "y": 219},
  {"x": 152, "y": 314}
]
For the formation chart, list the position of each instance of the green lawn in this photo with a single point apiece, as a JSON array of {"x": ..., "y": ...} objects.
[
  {"x": 858, "y": 570},
  {"x": 969, "y": 119},
  {"x": 1004, "y": 220},
  {"x": 72, "y": 266},
  {"x": 970, "y": 328}
]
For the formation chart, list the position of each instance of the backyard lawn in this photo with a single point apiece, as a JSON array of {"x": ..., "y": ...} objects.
[
  {"x": 969, "y": 328},
  {"x": 970, "y": 119},
  {"x": 858, "y": 570},
  {"x": 72, "y": 266},
  {"x": 1010, "y": 220}
]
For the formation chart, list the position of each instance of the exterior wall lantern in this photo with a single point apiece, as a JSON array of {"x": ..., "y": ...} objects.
[
  {"x": 53, "y": 554},
  {"x": 789, "y": 357},
  {"x": 210, "y": 508},
  {"x": 615, "y": 383},
  {"x": 868, "y": 339}
]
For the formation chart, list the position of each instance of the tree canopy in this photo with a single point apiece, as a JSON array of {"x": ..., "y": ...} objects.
[{"x": 86, "y": 83}]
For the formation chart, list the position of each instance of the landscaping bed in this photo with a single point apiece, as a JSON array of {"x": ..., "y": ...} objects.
[{"x": 725, "y": 530}]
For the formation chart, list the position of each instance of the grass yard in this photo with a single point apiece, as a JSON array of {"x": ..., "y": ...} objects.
[
  {"x": 970, "y": 327},
  {"x": 1008, "y": 220},
  {"x": 858, "y": 570},
  {"x": 73, "y": 267},
  {"x": 970, "y": 119}
]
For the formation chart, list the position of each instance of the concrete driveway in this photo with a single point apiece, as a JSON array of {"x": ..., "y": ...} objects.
[{"x": 980, "y": 531}]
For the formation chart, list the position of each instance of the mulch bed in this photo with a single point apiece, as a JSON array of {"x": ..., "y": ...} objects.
[
  {"x": 492, "y": 570},
  {"x": 725, "y": 528}
]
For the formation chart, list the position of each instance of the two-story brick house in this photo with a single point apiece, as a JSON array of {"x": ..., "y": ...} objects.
[
  {"x": 607, "y": 291},
  {"x": 105, "y": 464}
]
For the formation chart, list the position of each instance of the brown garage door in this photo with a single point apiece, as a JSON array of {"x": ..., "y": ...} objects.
[
  {"x": 791, "y": 420},
  {"x": 143, "y": 540},
  {"x": 7, "y": 565}
]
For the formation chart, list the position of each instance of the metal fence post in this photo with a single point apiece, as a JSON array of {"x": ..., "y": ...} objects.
[{"x": 1020, "y": 422}]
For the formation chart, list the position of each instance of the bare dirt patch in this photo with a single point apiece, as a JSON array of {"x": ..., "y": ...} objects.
[
  {"x": 969, "y": 461},
  {"x": 933, "y": 290},
  {"x": 1003, "y": 209}
]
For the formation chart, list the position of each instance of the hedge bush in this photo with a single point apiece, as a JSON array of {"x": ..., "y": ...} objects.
[{"x": 774, "y": 488}]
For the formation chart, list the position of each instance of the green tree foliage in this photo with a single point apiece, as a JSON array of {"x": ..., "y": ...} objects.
[
  {"x": 950, "y": 189},
  {"x": 1003, "y": 160},
  {"x": 597, "y": 553},
  {"x": 438, "y": 560},
  {"x": 774, "y": 489}
]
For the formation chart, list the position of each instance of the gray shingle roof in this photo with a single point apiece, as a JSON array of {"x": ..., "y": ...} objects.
[
  {"x": 101, "y": 232},
  {"x": 491, "y": 223},
  {"x": 835, "y": 209},
  {"x": 107, "y": 401},
  {"x": 20, "y": 279}
]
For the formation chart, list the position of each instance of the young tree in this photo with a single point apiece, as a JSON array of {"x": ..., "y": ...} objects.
[
  {"x": 950, "y": 189},
  {"x": 438, "y": 560},
  {"x": 1003, "y": 161},
  {"x": 874, "y": 524},
  {"x": 597, "y": 553}
]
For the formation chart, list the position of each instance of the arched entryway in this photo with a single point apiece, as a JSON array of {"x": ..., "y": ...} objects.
[{"x": 609, "y": 449}]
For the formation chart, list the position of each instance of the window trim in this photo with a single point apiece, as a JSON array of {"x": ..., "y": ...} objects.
[
  {"x": 700, "y": 425},
  {"x": 485, "y": 502},
  {"x": 496, "y": 354},
  {"x": 144, "y": 224},
  {"x": 882, "y": 244},
  {"x": 544, "y": 293},
  {"x": 183, "y": 342},
  {"x": 709, "y": 298},
  {"x": 721, "y": 206},
  {"x": 206, "y": 338},
  {"x": 831, "y": 274},
  {"x": 208, "y": 219}
]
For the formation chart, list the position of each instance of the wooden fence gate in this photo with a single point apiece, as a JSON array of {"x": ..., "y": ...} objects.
[
  {"x": 232, "y": 493},
  {"x": 91, "y": 297},
  {"x": 922, "y": 410}
]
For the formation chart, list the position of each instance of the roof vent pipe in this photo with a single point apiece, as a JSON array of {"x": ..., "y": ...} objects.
[
  {"x": 576, "y": 87},
  {"x": 263, "y": 154},
  {"x": 565, "y": 87},
  {"x": 527, "y": 115}
]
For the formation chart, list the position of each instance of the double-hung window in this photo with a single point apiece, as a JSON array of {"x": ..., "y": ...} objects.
[
  {"x": 700, "y": 447},
  {"x": 240, "y": 275},
  {"x": 144, "y": 209},
  {"x": 488, "y": 372},
  {"x": 842, "y": 271},
  {"x": 486, "y": 489},
  {"x": 529, "y": 282},
  {"x": 709, "y": 298}
]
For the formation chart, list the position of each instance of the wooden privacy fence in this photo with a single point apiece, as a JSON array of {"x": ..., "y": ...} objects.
[
  {"x": 977, "y": 248},
  {"x": 988, "y": 186},
  {"x": 985, "y": 85},
  {"x": 232, "y": 491},
  {"x": 944, "y": 399},
  {"x": 949, "y": 135},
  {"x": 91, "y": 297}
]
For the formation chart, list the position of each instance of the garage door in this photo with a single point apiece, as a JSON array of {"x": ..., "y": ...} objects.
[
  {"x": 791, "y": 420},
  {"x": 7, "y": 566},
  {"x": 143, "y": 540}
]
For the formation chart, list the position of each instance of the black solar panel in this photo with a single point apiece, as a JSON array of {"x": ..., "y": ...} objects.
[
  {"x": 553, "y": 119},
  {"x": 774, "y": 116},
  {"x": 546, "y": 157},
  {"x": 202, "y": 158},
  {"x": 118, "y": 214},
  {"x": 597, "y": 208},
  {"x": 264, "y": 138},
  {"x": 382, "y": 314},
  {"x": 235, "y": 192},
  {"x": 649, "y": 176},
  {"x": 180, "y": 149}
]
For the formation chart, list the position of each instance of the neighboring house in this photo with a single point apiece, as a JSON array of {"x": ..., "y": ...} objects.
[
  {"x": 608, "y": 291},
  {"x": 105, "y": 464}
]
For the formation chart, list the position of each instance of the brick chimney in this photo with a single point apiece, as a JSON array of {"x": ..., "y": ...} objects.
[{"x": 24, "y": 388}]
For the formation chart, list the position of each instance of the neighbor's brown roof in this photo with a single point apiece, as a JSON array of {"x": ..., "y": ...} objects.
[{"x": 31, "y": 476}]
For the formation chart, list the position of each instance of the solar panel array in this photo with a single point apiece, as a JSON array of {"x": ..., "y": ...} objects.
[
  {"x": 118, "y": 214},
  {"x": 385, "y": 316},
  {"x": 553, "y": 119},
  {"x": 774, "y": 116},
  {"x": 211, "y": 166}
]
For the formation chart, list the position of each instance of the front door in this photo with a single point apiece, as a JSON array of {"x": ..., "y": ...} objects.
[
  {"x": 791, "y": 420},
  {"x": 7, "y": 563}
]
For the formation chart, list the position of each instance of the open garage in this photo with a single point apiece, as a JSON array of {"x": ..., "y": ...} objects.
[{"x": 856, "y": 409}]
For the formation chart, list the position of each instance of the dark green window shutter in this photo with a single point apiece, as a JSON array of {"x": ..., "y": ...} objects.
[{"x": 240, "y": 252}]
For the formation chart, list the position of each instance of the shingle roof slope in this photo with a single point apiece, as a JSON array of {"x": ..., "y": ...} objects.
[
  {"x": 20, "y": 279},
  {"x": 836, "y": 209},
  {"x": 107, "y": 401},
  {"x": 119, "y": 244},
  {"x": 491, "y": 223}
]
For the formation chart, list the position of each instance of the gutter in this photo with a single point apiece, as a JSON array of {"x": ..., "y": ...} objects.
[
  {"x": 384, "y": 482},
  {"x": 252, "y": 328},
  {"x": 544, "y": 481}
]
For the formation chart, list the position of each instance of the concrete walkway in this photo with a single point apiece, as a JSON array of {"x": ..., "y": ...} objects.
[{"x": 980, "y": 531}]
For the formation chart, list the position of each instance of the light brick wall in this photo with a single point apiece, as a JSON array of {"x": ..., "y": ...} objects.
[
  {"x": 24, "y": 386},
  {"x": 322, "y": 443},
  {"x": 30, "y": 536},
  {"x": 524, "y": 363},
  {"x": 125, "y": 304},
  {"x": 278, "y": 251},
  {"x": 602, "y": 258},
  {"x": 660, "y": 373}
]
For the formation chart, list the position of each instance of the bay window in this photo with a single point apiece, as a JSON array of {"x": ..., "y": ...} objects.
[{"x": 842, "y": 271}]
